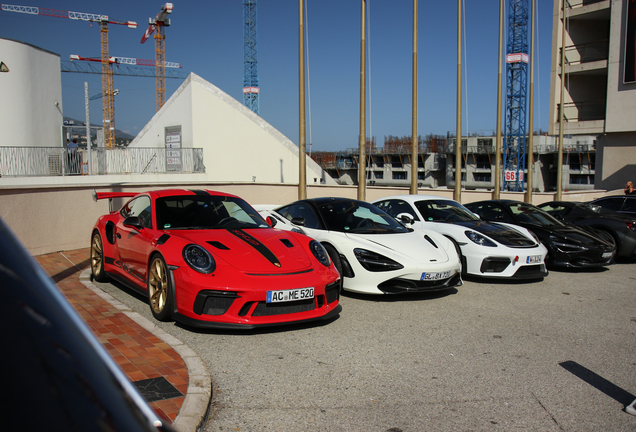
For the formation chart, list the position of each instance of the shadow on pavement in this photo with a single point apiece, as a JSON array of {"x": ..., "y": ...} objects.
[
  {"x": 598, "y": 382},
  {"x": 414, "y": 296}
]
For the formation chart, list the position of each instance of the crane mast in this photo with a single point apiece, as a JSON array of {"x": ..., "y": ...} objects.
[
  {"x": 157, "y": 27},
  {"x": 514, "y": 149},
  {"x": 108, "y": 98},
  {"x": 250, "y": 64}
]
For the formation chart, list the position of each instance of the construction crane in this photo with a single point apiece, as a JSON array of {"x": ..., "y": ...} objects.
[
  {"x": 250, "y": 64},
  {"x": 108, "y": 104},
  {"x": 125, "y": 60},
  {"x": 121, "y": 69},
  {"x": 157, "y": 26},
  {"x": 514, "y": 149}
]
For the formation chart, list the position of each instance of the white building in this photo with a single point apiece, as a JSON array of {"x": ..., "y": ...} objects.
[
  {"x": 31, "y": 89},
  {"x": 238, "y": 145}
]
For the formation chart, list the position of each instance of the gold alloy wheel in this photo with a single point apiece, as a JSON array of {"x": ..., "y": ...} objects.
[
  {"x": 158, "y": 285},
  {"x": 97, "y": 255}
]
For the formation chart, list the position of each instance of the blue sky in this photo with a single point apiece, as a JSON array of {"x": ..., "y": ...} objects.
[{"x": 206, "y": 37}]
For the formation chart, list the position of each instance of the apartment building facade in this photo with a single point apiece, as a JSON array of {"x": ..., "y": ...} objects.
[{"x": 599, "y": 82}]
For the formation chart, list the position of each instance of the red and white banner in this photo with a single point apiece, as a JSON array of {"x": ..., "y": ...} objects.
[
  {"x": 512, "y": 175},
  {"x": 517, "y": 57}
]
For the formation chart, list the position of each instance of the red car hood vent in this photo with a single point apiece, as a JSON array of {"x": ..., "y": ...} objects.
[
  {"x": 218, "y": 245},
  {"x": 287, "y": 243},
  {"x": 254, "y": 250}
]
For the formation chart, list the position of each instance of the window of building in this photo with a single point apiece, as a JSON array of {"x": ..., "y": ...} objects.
[
  {"x": 399, "y": 175},
  {"x": 378, "y": 174},
  {"x": 483, "y": 142},
  {"x": 396, "y": 161},
  {"x": 482, "y": 177},
  {"x": 482, "y": 161},
  {"x": 580, "y": 179}
]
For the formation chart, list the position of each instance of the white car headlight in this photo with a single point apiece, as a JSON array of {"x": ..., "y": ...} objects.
[
  {"x": 374, "y": 262},
  {"x": 479, "y": 239}
]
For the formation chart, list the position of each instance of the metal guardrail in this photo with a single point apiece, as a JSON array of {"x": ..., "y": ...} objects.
[
  {"x": 584, "y": 110},
  {"x": 58, "y": 161},
  {"x": 573, "y": 4},
  {"x": 536, "y": 148},
  {"x": 587, "y": 52}
]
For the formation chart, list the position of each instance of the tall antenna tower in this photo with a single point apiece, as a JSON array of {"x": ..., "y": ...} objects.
[
  {"x": 250, "y": 65},
  {"x": 514, "y": 156}
]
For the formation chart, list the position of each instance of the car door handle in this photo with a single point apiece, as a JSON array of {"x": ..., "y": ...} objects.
[{"x": 118, "y": 235}]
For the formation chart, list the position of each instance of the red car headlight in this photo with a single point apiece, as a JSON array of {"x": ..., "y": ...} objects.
[
  {"x": 320, "y": 253},
  {"x": 199, "y": 259}
]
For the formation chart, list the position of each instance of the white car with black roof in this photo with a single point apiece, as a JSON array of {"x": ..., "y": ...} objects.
[
  {"x": 374, "y": 253},
  {"x": 488, "y": 249}
]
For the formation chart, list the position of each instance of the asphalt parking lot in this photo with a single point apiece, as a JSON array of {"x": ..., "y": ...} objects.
[{"x": 556, "y": 355}]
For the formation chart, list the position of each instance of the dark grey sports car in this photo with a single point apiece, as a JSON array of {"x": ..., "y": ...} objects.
[
  {"x": 625, "y": 204},
  {"x": 621, "y": 227},
  {"x": 568, "y": 246}
]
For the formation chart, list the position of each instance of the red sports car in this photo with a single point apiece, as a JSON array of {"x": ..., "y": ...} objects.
[{"x": 207, "y": 259}]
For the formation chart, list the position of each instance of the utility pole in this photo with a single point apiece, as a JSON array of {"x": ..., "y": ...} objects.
[
  {"x": 561, "y": 108},
  {"x": 531, "y": 118},
  {"x": 302, "y": 158},
  {"x": 458, "y": 137},
  {"x": 362, "y": 142},
  {"x": 497, "y": 190},
  {"x": 414, "y": 137}
]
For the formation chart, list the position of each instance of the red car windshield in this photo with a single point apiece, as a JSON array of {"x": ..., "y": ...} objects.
[{"x": 206, "y": 212}]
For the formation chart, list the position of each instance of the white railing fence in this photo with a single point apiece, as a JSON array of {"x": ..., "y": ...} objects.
[{"x": 57, "y": 161}]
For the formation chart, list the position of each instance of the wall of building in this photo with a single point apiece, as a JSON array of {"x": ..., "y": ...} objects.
[
  {"x": 31, "y": 108},
  {"x": 621, "y": 98},
  {"x": 616, "y": 160},
  {"x": 56, "y": 217}
]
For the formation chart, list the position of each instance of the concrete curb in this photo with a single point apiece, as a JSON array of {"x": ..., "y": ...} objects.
[{"x": 194, "y": 410}]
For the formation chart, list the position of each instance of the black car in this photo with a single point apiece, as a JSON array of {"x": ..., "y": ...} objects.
[
  {"x": 621, "y": 227},
  {"x": 620, "y": 203},
  {"x": 567, "y": 245},
  {"x": 55, "y": 373}
]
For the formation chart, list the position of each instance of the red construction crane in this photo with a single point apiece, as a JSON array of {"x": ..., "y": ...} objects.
[
  {"x": 107, "y": 74},
  {"x": 157, "y": 25}
]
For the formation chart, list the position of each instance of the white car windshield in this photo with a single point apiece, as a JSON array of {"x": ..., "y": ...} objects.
[
  {"x": 352, "y": 216},
  {"x": 525, "y": 213},
  {"x": 444, "y": 211}
]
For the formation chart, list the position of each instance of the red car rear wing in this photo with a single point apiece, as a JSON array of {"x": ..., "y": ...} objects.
[{"x": 110, "y": 195}]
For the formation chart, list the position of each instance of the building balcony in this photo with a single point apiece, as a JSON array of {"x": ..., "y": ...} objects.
[
  {"x": 583, "y": 117},
  {"x": 587, "y": 58},
  {"x": 588, "y": 9}
]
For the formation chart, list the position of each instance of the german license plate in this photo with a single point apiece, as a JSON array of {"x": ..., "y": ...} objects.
[
  {"x": 290, "y": 295},
  {"x": 533, "y": 259},
  {"x": 607, "y": 254},
  {"x": 436, "y": 275}
]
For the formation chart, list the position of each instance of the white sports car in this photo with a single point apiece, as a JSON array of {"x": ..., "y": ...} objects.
[
  {"x": 488, "y": 249},
  {"x": 372, "y": 251}
]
